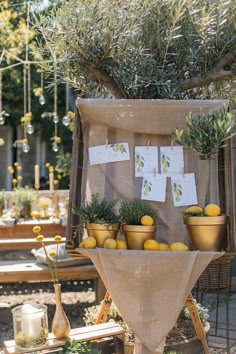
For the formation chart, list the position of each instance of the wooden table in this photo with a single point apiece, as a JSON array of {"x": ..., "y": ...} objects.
[{"x": 21, "y": 236}]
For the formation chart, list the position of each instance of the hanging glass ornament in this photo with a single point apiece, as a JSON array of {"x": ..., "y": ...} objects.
[
  {"x": 55, "y": 147},
  {"x": 29, "y": 128},
  {"x": 42, "y": 100},
  {"x": 55, "y": 119},
  {"x": 66, "y": 120},
  {"x": 2, "y": 120},
  {"x": 25, "y": 147}
]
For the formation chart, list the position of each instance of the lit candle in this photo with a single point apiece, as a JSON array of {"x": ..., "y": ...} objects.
[
  {"x": 36, "y": 176},
  {"x": 51, "y": 181},
  {"x": 31, "y": 321}
]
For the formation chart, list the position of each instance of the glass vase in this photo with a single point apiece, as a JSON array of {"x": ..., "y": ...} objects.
[
  {"x": 30, "y": 323},
  {"x": 60, "y": 323}
]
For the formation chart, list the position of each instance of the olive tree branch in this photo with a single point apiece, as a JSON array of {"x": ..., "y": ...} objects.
[
  {"x": 103, "y": 77},
  {"x": 217, "y": 74}
]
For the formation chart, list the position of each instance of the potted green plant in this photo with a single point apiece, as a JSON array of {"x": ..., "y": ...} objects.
[
  {"x": 23, "y": 198},
  {"x": 138, "y": 222},
  {"x": 206, "y": 134},
  {"x": 2, "y": 201},
  {"x": 99, "y": 217}
]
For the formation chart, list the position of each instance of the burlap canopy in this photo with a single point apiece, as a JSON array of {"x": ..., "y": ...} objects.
[{"x": 134, "y": 121}]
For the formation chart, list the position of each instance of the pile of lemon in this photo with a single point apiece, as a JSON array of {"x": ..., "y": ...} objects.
[
  {"x": 150, "y": 245},
  {"x": 111, "y": 243},
  {"x": 153, "y": 245}
]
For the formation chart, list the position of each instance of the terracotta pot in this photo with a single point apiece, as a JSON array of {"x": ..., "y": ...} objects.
[
  {"x": 102, "y": 231},
  {"x": 207, "y": 233},
  {"x": 136, "y": 235}
]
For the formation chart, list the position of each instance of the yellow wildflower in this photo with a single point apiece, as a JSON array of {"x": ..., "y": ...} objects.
[
  {"x": 52, "y": 254},
  {"x": 40, "y": 238},
  {"x": 57, "y": 139},
  {"x": 36, "y": 229},
  {"x": 58, "y": 238},
  {"x": 49, "y": 255}
]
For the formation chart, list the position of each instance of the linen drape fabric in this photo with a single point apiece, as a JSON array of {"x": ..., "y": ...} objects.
[
  {"x": 135, "y": 121},
  {"x": 149, "y": 288}
]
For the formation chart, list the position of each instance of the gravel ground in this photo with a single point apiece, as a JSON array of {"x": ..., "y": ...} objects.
[{"x": 75, "y": 296}]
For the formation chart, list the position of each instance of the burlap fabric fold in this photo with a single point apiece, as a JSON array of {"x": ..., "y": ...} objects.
[
  {"x": 149, "y": 288},
  {"x": 136, "y": 122}
]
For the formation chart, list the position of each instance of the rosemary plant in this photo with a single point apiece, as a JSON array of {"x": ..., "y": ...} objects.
[{"x": 131, "y": 212}]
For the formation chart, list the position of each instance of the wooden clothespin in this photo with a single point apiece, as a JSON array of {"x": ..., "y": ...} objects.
[
  {"x": 183, "y": 172},
  {"x": 106, "y": 143},
  {"x": 148, "y": 143},
  {"x": 172, "y": 144},
  {"x": 154, "y": 172}
]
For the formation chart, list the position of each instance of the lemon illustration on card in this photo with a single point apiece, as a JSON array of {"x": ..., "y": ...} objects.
[
  {"x": 147, "y": 186},
  {"x": 178, "y": 191},
  {"x": 139, "y": 162},
  {"x": 165, "y": 162}
]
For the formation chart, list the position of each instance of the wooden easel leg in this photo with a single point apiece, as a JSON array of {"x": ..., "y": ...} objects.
[
  {"x": 102, "y": 316},
  {"x": 197, "y": 322}
]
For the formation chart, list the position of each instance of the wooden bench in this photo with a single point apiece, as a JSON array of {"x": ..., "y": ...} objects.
[
  {"x": 20, "y": 238},
  {"x": 89, "y": 333}
]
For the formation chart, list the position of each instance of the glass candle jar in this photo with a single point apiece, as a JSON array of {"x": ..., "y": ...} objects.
[{"x": 30, "y": 323}]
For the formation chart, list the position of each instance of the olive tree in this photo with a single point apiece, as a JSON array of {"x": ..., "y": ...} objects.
[{"x": 142, "y": 48}]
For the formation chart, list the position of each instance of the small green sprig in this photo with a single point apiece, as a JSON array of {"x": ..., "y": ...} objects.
[{"x": 71, "y": 347}]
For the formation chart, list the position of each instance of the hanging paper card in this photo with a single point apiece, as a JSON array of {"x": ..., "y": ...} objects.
[
  {"x": 108, "y": 153},
  {"x": 154, "y": 187},
  {"x": 184, "y": 189},
  {"x": 172, "y": 159},
  {"x": 146, "y": 159}
]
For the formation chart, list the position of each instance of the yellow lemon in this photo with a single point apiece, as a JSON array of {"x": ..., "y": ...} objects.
[
  {"x": 178, "y": 246},
  {"x": 147, "y": 220},
  {"x": 163, "y": 246},
  {"x": 151, "y": 245},
  {"x": 121, "y": 245},
  {"x": 212, "y": 210},
  {"x": 109, "y": 243},
  {"x": 89, "y": 242}
]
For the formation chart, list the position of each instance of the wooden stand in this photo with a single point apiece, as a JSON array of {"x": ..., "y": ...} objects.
[
  {"x": 102, "y": 317},
  {"x": 89, "y": 333}
]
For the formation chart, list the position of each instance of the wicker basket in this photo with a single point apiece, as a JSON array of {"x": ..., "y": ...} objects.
[{"x": 217, "y": 275}]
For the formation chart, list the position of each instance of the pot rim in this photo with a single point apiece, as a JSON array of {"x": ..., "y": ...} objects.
[
  {"x": 144, "y": 228},
  {"x": 206, "y": 220},
  {"x": 98, "y": 226}
]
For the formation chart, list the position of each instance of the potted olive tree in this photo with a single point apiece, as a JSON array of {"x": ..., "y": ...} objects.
[
  {"x": 99, "y": 218},
  {"x": 138, "y": 222},
  {"x": 206, "y": 134}
]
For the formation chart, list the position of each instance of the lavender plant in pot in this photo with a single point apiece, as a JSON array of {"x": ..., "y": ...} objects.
[{"x": 206, "y": 134}]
